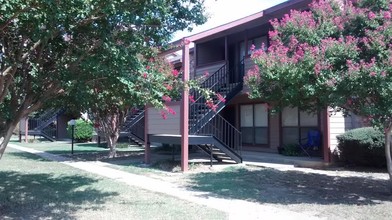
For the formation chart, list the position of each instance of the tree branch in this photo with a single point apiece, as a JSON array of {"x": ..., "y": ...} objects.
[{"x": 5, "y": 24}]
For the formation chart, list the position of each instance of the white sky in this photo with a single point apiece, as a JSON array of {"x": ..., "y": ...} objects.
[{"x": 224, "y": 11}]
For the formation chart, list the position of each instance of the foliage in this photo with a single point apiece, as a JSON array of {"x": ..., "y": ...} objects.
[
  {"x": 362, "y": 146},
  {"x": 291, "y": 150},
  {"x": 55, "y": 49},
  {"x": 335, "y": 54},
  {"x": 332, "y": 55},
  {"x": 83, "y": 130}
]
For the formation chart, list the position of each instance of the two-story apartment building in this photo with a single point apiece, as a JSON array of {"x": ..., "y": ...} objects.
[{"x": 239, "y": 123}]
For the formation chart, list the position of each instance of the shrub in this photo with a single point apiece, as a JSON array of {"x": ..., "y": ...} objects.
[
  {"x": 83, "y": 130},
  {"x": 290, "y": 150},
  {"x": 362, "y": 146}
]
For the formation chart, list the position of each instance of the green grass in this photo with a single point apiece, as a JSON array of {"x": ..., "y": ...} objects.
[
  {"x": 326, "y": 196},
  {"x": 34, "y": 188},
  {"x": 62, "y": 147}
]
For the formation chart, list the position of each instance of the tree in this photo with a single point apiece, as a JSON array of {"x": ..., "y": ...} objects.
[
  {"x": 111, "y": 100},
  {"x": 49, "y": 48},
  {"x": 334, "y": 54}
]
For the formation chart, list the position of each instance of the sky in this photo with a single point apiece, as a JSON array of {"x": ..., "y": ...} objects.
[{"x": 224, "y": 11}]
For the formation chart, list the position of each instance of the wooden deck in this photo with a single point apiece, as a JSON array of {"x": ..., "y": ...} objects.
[{"x": 176, "y": 139}]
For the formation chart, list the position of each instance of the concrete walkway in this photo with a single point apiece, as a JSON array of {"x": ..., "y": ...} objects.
[{"x": 237, "y": 209}]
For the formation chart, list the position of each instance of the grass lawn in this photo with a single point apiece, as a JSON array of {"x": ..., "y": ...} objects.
[
  {"x": 34, "y": 188},
  {"x": 64, "y": 147},
  {"x": 321, "y": 195},
  {"x": 333, "y": 197}
]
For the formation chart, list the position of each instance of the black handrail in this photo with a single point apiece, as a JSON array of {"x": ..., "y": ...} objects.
[
  {"x": 136, "y": 117},
  {"x": 207, "y": 121},
  {"x": 137, "y": 128},
  {"x": 41, "y": 121},
  {"x": 225, "y": 132}
]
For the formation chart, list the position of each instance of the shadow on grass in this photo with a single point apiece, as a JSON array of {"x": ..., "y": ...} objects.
[
  {"x": 291, "y": 187},
  {"x": 26, "y": 156},
  {"x": 42, "y": 196}
]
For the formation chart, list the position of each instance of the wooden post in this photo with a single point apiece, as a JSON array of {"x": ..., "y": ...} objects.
[
  {"x": 326, "y": 138},
  {"x": 227, "y": 62},
  {"x": 184, "y": 126},
  {"x": 147, "y": 147}
]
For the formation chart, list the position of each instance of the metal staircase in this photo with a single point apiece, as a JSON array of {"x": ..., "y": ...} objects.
[
  {"x": 223, "y": 140},
  {"x": 44, "y": 124},
  {"x": 133, "y": 127}
]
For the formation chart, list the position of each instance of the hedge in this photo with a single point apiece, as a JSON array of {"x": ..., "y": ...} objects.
[{"x": 363, "y": 147}]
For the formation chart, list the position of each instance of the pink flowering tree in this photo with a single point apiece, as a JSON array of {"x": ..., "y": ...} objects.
[
  {"x": 334, "y": 54},
  {"x": 110, "y": 100}
]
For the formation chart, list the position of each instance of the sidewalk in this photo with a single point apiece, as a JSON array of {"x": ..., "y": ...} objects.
[{"x": 237, "y": 209}]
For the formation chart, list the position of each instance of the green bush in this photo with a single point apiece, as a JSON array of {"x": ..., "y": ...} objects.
[
  {"x": 362, "y": 146},
  {"x": 83, "y": 130},
  {"x": 290, "y": 150}
]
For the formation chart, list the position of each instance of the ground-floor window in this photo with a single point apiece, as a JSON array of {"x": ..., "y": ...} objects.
[
  {"x": 254, "y": 124},
  {"x": 296, "y": 124}
]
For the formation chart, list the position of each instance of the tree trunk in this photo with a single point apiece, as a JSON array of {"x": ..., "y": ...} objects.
[
  {"x": 112, "y": 144},
  {"x": 388, "y": 154},
  {"x": 6, "y": 136}
]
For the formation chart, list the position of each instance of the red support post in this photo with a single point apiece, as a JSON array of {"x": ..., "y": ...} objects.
[{"x": 184, "y": 126}]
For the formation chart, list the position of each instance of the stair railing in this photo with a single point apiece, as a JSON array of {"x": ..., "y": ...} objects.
[
  {"x": 130, "y": 124},
  {"x": 218, "y": 83},
  {"x": 44, "y": 119},
  {"x": 137, "y": 129},
  {"x": 225, "y": 132}
]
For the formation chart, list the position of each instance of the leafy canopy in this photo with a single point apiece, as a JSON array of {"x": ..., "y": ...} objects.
[{"x": 333, "y": 54}]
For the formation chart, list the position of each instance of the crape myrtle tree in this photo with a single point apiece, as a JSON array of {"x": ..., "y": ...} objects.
[
  {"x": 50, "y": 48},
  {"x": 121, "y": 91},
  {"x": 334, "y": 54}
]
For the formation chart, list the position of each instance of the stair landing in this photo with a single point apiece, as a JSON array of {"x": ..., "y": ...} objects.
[{"x": 176, "y": 138}]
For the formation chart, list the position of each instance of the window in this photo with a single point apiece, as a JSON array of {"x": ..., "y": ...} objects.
[
  {"x": 259, "y": 42},
  {"x": 254, "y": 124},
  {"x": 295, "y": 124},
  {"x": 242, "y": 50}
]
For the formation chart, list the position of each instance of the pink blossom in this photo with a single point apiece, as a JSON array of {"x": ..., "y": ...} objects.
[
  {"x": 383, "y": 74},
  {"x": 220, "y": 97},
  {"x": 252, "y": 47},
  {"x": 317, "y": 69},
  {"x": 192, "y": 98},
  {"x": 293, "y": 41},
  {"x": 206, "y": 74},
  {"x": 372, "y": 73},
  {"x": 166, "y": 98},
  {"x": 145, "y": 75},
  {"x": 175, "y": 73},
  {"x": 210, "y": 104},
  {"x": 171, "y": 111},
  {"x": 387, "y": 15},
  {"x": 371, "y": 15},
  {"x": 258, "y": 53},
  {"x": 148, "y": 67},
  {"x": 169, "y": 87},
  {"x": 273, "y": 34},
  {"x": 163, "y": 114}
]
